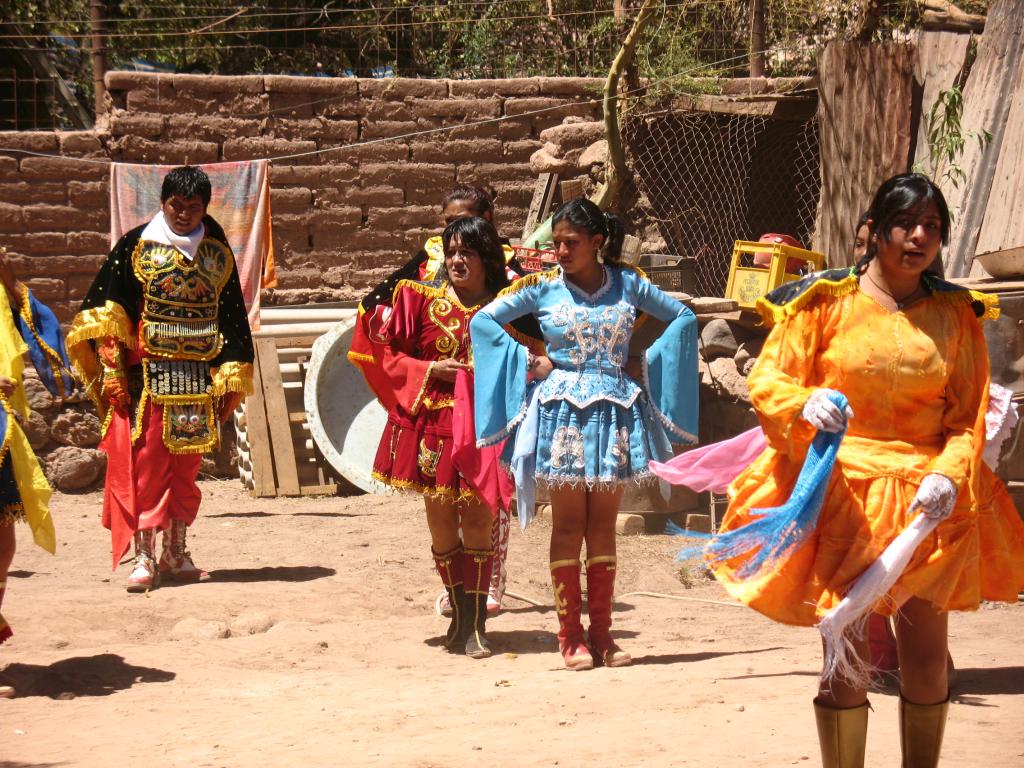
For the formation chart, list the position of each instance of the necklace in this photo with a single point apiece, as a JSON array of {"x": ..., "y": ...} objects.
[{"x": 900, "y": 303}]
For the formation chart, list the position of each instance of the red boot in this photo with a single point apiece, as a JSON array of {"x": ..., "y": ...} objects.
[
  {"x": 5, "y": 628},
  {"x": 449, "y": 568},
  {"x": 565, "y": 578},
  {"x": 600, "y": 588}
]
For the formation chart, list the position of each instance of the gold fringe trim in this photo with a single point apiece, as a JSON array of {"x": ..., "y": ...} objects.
[
  {"x": 438, "y": 405},
  {"x": 92, "y": 325},
  {"x": 359, "y": 357},
  {"x": 966, "y": 296},
  {"x": 232, "y": 376},
  {"x": 430, "y": 291},
  {"x": 423, "y": 390},
  {"x": 528, "y": 281},
  {"x": 773, "y": 313},
  {"x": 536, "y": 346},
  {"x": 440, "y": 492}
]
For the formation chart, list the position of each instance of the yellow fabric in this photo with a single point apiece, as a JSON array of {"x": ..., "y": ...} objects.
[
  {"x": 32, "y": 484},
  {"x": 92, "y": 325},
  {"x": 232, "y": 376},
  {"x": 917, "y": 381}
]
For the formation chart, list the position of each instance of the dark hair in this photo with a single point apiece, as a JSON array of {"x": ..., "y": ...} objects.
[
  {"x": 904, "y": 192},
  {"x": 480, "y": 235},
  {"x": 186, "y": 181},
  {"x": 586, "y": 216},
  {"x": 481, "y": 199}
]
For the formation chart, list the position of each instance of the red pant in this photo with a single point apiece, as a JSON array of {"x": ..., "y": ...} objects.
[{"x": 147, "y": 485}]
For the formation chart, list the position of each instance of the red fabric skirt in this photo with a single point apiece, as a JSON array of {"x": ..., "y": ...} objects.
[{"x": 416, "y": 454}]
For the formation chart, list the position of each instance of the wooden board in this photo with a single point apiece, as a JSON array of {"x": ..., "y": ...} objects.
[
  {"x": 988, "y": 95},
  {"x": 864, "y": 108},
  {"x": 278, "y": 423},
  {"x": 571, "y": 189},
  {"x": 259, "y": 437},
  {"x": 1003, "y": 225},
  {"x": 540, "y": 206},
  {"x": 940, "y": 58}
]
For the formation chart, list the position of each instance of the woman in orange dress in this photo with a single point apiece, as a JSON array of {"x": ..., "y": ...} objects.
[{"x": 907, "y": 351}]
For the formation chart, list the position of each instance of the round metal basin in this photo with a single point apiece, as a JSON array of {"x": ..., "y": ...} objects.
[
  {"x": 345, "y": 419},
  {"x": 1005, "y": 263}
]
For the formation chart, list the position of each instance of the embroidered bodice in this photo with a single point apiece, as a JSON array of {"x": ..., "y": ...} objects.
[{"x": 587, "y": 335}]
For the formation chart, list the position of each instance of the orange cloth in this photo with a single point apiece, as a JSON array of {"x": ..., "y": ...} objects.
[{"x": 917, "y": 381}]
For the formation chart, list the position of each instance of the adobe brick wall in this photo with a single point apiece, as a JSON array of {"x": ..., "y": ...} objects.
[{"x": 341, "y": 218}]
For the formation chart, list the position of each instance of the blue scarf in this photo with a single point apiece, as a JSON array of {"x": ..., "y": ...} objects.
[{"x": 777, "y": 531}]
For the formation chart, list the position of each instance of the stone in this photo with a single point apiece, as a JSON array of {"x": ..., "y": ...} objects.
[
  {"x": 727, "y": 381},
  {"x": 255, "y": 623},
  {"x": 747, "y": 350},
  {"x": 77, "y": 428},
  {"x": 74, "y": 469},
  {"x": 197, "y": 629},
  {"x": 38, "y": 396},
  {"x": 748, "y": 366},
  {"x": 542, "y": 161},
  {"x": 718, "y": 340},
  {"x": 573, "y": 135},
  {"x": 37, "y": 430},
  {"x": 595, "y": 154}
]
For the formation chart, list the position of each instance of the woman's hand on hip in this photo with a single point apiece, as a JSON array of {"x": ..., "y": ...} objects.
[{"x": 539, "y": 366}]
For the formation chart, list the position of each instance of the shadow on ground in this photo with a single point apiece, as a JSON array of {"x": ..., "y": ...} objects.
[
  {"x": 99, "y": 675},
  {"x": 273, "y": 573}
]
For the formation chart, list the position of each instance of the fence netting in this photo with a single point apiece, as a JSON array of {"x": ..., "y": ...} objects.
[{"x": 708, "y": 179}]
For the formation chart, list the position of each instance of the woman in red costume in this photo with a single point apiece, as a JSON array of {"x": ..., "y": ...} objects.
[{"x": 422, "y": 345}]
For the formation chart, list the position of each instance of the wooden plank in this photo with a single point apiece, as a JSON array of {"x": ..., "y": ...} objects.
[
  {"x": 302, "y": 341},
  {"x": 540, "y": 205},
  {"x": 631, "y": 249},
  {"x": 939, "y": 59},
  {"x": 988, "y": 95},
  {"x": 1003, "y": 225},
  {"x": 864, "y": 108},
  {"x": 571, "y": 189},
  {"x": 259, "y": 437},
  {"x": 328, "y": 489},
  {"x": 277, "y": 418}
]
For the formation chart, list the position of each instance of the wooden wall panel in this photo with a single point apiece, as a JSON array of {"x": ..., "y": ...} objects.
[
  {"x": 864, "y": 107},
  {"x": 988, "y": 95}
]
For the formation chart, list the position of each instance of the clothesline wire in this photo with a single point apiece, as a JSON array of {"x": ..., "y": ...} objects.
[
  {"x": 386, "y": 25},
  {"x": 323, "y": 10},
  {"x": 414, "y": 134}
]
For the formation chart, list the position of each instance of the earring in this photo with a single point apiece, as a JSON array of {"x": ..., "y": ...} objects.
[{"x": 600, "y": 258}]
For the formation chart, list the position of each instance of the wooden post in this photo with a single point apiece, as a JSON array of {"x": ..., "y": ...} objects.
[
  {"x": 757, "y": 53},
  {"x": 99, "y": 53}
]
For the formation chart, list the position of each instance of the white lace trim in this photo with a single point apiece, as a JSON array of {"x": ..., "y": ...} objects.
[
  {"x": 627, "y": 403},
  {"x": 589, "y": 297}
]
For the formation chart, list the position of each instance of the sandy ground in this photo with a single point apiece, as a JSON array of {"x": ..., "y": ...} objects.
[{"x": 351, "y": 671}]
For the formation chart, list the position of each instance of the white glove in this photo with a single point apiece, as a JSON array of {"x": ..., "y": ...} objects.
[
  {"x": 823, "y": 414},
  {"x": 936, "y": 496}
]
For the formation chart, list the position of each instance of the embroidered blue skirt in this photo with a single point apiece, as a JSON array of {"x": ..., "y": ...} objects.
[{"x": 602, "y": 445}]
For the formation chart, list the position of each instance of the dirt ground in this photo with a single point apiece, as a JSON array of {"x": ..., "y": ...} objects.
[{"x": 350, "y": 670}]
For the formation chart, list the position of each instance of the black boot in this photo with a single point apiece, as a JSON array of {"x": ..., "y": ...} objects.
[
  {"x": 476, "y": 570},
  {"x": 449, "y": 567}
]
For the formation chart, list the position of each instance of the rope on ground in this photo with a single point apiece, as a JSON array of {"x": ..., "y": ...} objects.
[{"x": 667, "y": 596}]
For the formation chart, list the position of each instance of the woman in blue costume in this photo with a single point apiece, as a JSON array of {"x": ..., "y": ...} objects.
[
  {"x": 580, "y": 423},
  {"x": 26, "y": 325}
]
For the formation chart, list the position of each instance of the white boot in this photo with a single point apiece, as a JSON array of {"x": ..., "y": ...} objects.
[
  {"x": 144, "y": 575},
  {"x": 175, "y": 560}
]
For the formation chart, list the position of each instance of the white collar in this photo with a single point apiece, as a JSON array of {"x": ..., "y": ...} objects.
[{"x": 158, "y": 231}]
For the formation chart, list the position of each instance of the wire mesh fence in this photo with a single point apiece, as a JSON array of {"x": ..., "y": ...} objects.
[{"x": 711, "y": 179}]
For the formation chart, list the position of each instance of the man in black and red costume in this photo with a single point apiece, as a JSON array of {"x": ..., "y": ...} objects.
[{"x": 163, "y": 345}]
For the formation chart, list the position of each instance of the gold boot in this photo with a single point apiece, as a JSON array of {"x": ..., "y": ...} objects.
[
  {"x": 921, "y": 729},
  {"x": 842, "y": 734}
]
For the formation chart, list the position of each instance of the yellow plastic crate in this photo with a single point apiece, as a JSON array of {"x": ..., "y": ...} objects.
[{"x": 749, "y": 283}]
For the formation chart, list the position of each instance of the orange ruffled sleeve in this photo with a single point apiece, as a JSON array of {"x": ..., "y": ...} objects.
[
  {"x": 966, "y": 402},
  {"x": 780, "y": 381}
]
